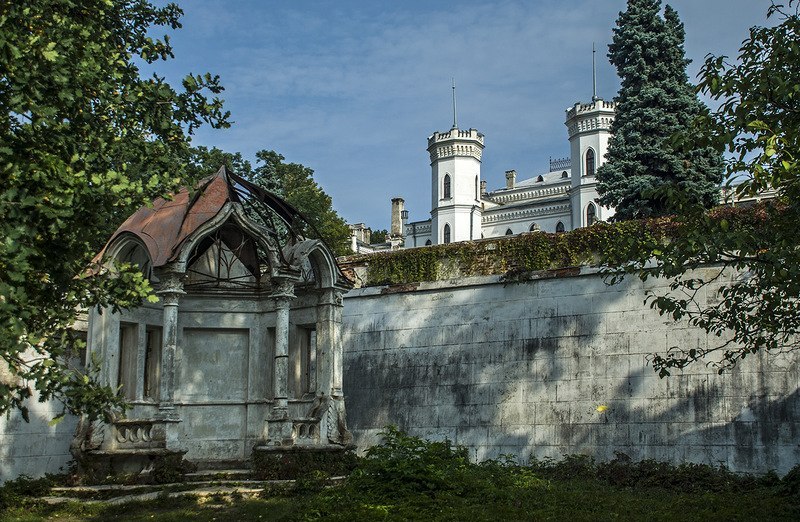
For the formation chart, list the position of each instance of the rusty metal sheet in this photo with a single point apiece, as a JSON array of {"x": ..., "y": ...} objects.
[{"x": 168, "y": 223}]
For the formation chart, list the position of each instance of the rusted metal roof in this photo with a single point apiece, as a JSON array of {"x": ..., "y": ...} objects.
[{"x": 165, "y": 225}]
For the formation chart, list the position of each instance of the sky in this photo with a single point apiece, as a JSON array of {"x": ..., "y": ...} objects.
[{"x": 353, "y": 89}]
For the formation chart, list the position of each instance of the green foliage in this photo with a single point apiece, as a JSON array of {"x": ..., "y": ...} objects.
[
  {"x": 622, "y": 471},
  {"x": 267, "y": 465},
  {"x": 379, "y": 236},
  {"x": 758, "y": 259},
  {"x": 655, "y": 102},
  {"x": 173, "y": 468},
  {"x": 403, "y": 465},
  {"x": 291, "y": 181},
  {"x": 84, "y": 140},
  {"x": 515, "y": 256},
  {"x": 23, "y": 490}
]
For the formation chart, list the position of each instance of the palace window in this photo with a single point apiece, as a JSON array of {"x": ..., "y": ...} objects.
[
  {"x": 559, "y": 227},
  {"x": 128, "y": 352},
  {"x": 534, "y": 227},
  {"x": 591, "y": 214},
  {"x": 446, "y": 233},
  {"x": 590, "y": 163},
  {"x": 152, "y": 362},
  {"x": 446, "y": 190},
  {"x": 509, "y": 232}
]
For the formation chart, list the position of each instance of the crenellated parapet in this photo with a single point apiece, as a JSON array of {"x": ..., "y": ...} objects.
[
  {"x": 455, "y": 142},
  {"x": 587, "y": 117}
]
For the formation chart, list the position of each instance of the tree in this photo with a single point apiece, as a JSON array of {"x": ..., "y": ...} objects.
[
  {"x": 291, "y": 181},
  {"x": 655, "y": 102},
  {"x": 379, "y": 236},
  {"x": 747, "y": 291},
  {"x": 84, "y": 138}
]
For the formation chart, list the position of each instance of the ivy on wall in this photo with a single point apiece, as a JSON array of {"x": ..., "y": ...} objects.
[{"x": 600, "y": 244}]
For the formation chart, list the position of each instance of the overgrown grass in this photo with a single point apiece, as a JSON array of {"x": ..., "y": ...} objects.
[{"x": 407, "y": 478}]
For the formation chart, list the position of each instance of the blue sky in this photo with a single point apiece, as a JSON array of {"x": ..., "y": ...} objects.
[{"x": 353, "y": 89}]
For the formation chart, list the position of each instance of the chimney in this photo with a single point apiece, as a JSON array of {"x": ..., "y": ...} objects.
[
  {"x": 397, "y": 217},
  {"x": 511, "y": 178},
  {"x": 483, "y": 187}
]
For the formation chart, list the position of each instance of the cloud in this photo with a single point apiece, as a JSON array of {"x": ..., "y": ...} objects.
[{"x": 353, "y": 89}]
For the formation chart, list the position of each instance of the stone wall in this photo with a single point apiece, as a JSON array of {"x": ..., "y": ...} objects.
[
  {"x": 554, "y": 366},
  {"x": 35, "y": 448}
]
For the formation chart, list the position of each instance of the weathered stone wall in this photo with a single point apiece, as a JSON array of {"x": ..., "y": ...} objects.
[
  {"x": 35, "y": 448},
  {"x": 557, "y": 366}
]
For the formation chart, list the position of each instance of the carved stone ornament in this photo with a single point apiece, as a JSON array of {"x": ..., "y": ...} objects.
[
  {"x": 283, "y": 288},
  {"x": 171, "y": 287}
]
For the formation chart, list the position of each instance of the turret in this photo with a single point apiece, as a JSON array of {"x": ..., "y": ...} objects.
[
  {"x": 455, "y": 185},
  {"x": 589, "y": 129}
]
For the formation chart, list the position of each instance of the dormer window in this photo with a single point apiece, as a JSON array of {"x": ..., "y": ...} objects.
[{"x": 539, "y": 179}]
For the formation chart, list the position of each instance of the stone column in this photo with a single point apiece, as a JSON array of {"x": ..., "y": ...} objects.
[
  {"x": 329, "y": 364},
  {"x": 169, "y": 293},
  {"x": 280, "y": 425}
]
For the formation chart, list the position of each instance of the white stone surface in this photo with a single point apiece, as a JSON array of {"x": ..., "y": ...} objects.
[{"x": 557, "y": 366}]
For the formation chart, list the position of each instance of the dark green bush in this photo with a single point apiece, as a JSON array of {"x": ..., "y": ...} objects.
[
  {"x": 293, "y": 464},
  {"x": 14, "y": 493},
  {"x": 171, "y": 468}
]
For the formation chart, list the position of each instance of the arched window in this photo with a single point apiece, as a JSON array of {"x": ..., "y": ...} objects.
[
  {"x": 446, "y": 191},
  {"x": 509, "y": 232},
  {"x": 590, "y": 162},
  {"x": 591, "y": 214},
  {"x": 534, "y": 227},
  {"x": 428, "y": 243},
  {"x": 564, "y": 175},
  {"x": 559, "y": 227},
  {"x": 539, "y": 179},
  {"x": 446, "y": 233},
  {"x": 477, "y": 189}
]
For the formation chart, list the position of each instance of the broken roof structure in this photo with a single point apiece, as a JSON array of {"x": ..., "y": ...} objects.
[{"x": 243, "y": 349}]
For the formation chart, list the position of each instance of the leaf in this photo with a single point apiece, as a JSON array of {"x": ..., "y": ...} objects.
[{"x": 56, "y": 420}]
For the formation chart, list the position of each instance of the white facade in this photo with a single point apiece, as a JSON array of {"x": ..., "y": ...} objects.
[
  {"x": 559, "y": 200},
  {"x": 455, "y": 185}
]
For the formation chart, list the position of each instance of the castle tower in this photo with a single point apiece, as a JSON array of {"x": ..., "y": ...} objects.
[
  {"x": 589, "y": 129},
  {"x": 455, "y": 185}
]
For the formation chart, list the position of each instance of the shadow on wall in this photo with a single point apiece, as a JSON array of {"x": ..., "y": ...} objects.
[
  {"x": 35, "y": 448},
  {"x": 554, "y": 367}
]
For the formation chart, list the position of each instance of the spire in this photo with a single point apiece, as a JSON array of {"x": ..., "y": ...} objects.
[
  {"x": 455, "y": 120},
  {"x": 594, "y": 74}
]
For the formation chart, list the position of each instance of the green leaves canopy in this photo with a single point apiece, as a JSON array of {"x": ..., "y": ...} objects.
[
  {"x": 291, "y": 181},
  {"x": 84, "y": 139}
]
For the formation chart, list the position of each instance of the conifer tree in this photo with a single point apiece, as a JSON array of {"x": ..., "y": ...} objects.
[{"x": 645, "y": 166}]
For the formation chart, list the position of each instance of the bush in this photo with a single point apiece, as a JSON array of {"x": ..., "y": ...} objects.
[
  {"x": 171, "y": 468},
  {"x": 297, "y": 463},
  {"x": 23, "y": 489}
]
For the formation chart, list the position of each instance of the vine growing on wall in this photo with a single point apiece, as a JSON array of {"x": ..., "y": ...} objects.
[{"x": 603, "y": 244}]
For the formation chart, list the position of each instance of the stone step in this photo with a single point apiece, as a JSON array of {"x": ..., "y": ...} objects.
[{"x": 207, "y": 474}]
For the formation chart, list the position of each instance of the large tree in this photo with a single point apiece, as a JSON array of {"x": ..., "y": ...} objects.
[
  {"x": 84, "y": 138},
  {"x": 292, "y": 181},
  {"x": 655, "y": 101},
  {"x": 747, "y": 291}
]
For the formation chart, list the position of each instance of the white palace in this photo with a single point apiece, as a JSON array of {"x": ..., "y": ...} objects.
[{"x": 461, "y": 208}]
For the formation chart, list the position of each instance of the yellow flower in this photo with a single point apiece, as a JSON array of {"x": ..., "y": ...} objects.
[{"x": 602, "y": 408}]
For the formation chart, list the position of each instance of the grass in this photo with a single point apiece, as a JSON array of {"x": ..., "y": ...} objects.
[
  {"x": 407, "y": 478},
  {"x": 573, "y": 499}
]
